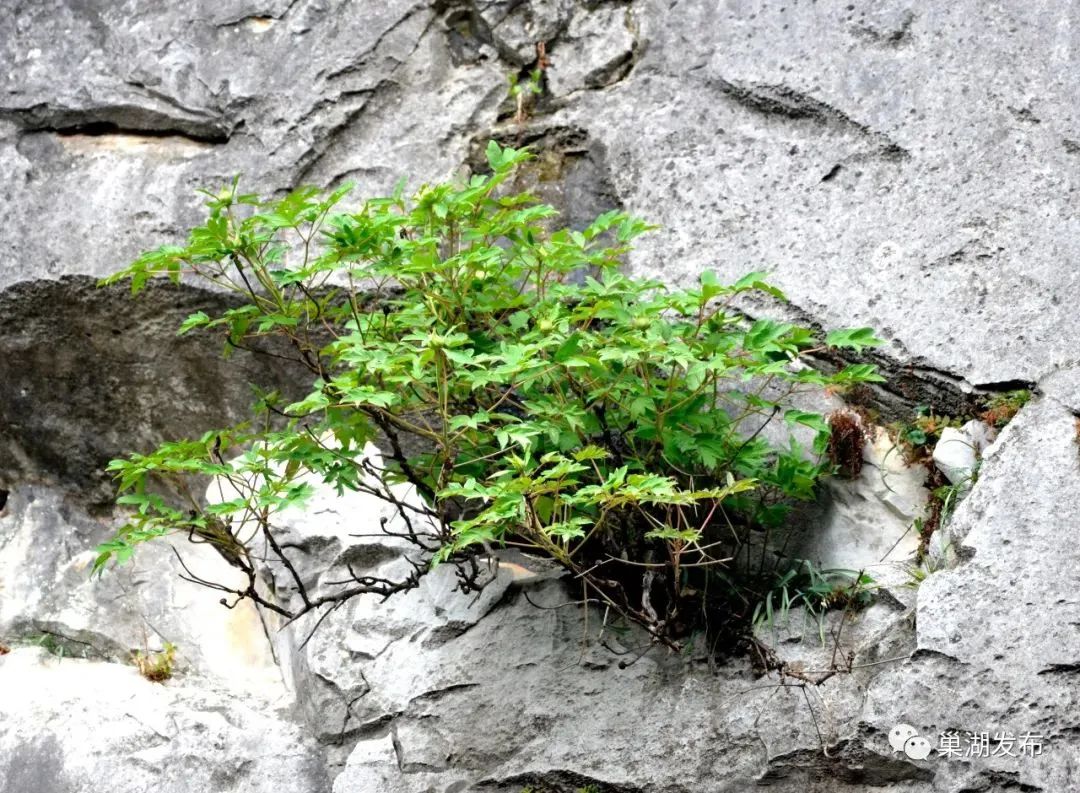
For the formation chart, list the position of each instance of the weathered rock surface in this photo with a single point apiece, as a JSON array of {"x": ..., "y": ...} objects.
[
  {"x": 905, "y": 166},
  {"x": 1000, "y": 629},
  {"x": 48, "y": 598},
  {"x": 76, "y": 715},
  {"x": 866, "y": 523},
  {"x": 90, "y": 374},
  {"x": 75, "y": 726},
  {"x": 957, "y": 452},
  {"x": 158, "y": 101},
  {"x": 442, "y": 709}
]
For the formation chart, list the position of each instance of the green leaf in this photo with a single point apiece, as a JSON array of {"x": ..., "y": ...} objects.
[
  {"x": 756, "y": 281},
  {"x": 814, "y": 421},
  {"x": 711, "y": 286},
  {"x": 764, "y": 334},
  {"x": 917, "y": 437},
  {"x": 591, "y": 452},
  {"x": 854, "y": 338},
  {"x": 568, "y": 348}
]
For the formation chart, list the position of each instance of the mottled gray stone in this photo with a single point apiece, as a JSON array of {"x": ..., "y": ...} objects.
[
  {"x": 155, "y": 102},
  {"x": 867, "y": 523},
  {"x": 517, "y": 700},
  {"x": 595, "y": 51},
  {"x": 1016, "y": 569},
  {"x": 1063, "y": 386},
  {"x": 75, "y": 726},
  {"x": 48, "y": 598},
  {"x": 515, "y": 27},
  {"x": 1001, "y": 627},
  {"x": 91, "y": 374},
  {"x": 906, "y": 167}
]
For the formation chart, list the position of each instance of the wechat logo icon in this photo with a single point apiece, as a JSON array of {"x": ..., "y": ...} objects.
[{"x": 905, "y": 738}]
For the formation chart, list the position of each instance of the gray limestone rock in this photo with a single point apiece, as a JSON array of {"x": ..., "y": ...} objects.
[
  {"x": 903, "y": 167},
  {"x": 48, "y": 598},
  {"x": 91, "y": 374},
  {"x": 75, "y": 726}
]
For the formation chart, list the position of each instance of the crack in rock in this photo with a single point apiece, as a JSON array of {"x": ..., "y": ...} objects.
[
  {"x": 851, "y": 763},
  {"x": 556, "y": 781},
  {"x": 91, "y": 375},
  {"x": 907, "y": 383},
  {"x": 787, "y": 103},
  {"x": 120, "y": 119}
]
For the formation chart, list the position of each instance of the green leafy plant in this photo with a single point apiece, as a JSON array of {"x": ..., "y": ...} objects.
[
  {"x": 920, "y": 570},
  {"x": 941, "y": 503},
  {"x": 527, "y": 391},
  {"x": 157, "y": 667}
]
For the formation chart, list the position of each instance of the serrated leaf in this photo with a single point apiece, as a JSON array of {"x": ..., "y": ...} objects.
[
  {"x": 853, "y": 338},
  {"x": 590, "y": 453}
]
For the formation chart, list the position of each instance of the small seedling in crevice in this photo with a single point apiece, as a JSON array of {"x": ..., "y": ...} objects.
[
  {"x": 917, "y": 573},
  {"x": 926, "y": 526},
  {"x": 944, "y": 498},
  {"x": 521, "y": 91},
  {"x": 952, "y": 493},
  {"x": 1001, "y": 408},
  {"x": 847, "y": 438},
  {"x": 156, "y": 667}
]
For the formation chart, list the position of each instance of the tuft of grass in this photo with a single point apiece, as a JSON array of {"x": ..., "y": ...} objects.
[
  {"x": 921, "y": 570},
  {"x": 50, "y": 643},
  {"x": 156, "y": 667},
  {"x": 816, "y": 590}
]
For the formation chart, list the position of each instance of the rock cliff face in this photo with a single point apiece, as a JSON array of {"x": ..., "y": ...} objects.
[{"x": 907, "y": 166}]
